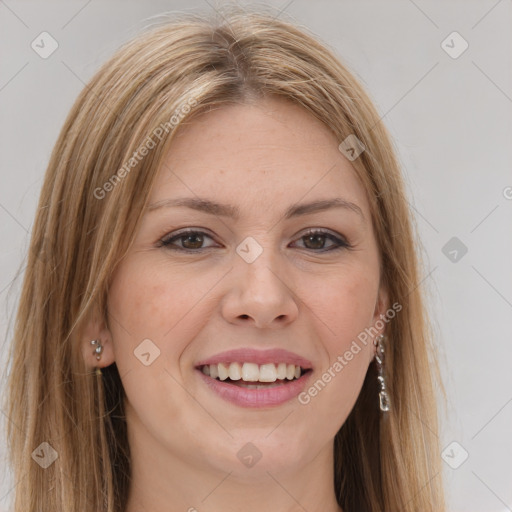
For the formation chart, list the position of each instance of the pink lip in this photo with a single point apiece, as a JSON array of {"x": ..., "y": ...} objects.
[
  {"x": 249, "y": 355},
  {"x": 263, "y": 397}
]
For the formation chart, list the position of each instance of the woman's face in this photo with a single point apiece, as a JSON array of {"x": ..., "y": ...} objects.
[{"x": 251, "y": 289}]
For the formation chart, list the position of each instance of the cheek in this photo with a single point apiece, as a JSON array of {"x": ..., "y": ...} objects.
[
  {"x": 148, "y": 302},
  {"x": 344, "y": 309},
  {"x": 152, "y": 302},
  {"x": 331, "y": 396},
  {"x": 136, "y": 305},
  {"x": 345, "y": 305}
]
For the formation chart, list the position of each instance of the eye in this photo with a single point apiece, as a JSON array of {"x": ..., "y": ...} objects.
[
  {"x": 193, "y": 240},
  {"x": 315, "y": 240}
]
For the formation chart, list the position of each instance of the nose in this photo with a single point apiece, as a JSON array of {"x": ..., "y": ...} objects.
[{"x": 260, "y": 294}]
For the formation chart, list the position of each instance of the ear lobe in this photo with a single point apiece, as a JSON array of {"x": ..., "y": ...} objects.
[
  {"x": 382, "y": 303},
  {"x": 96, "y": 342}
]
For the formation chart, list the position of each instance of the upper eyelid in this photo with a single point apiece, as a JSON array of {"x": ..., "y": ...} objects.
[{"x": 185, "y": 231}]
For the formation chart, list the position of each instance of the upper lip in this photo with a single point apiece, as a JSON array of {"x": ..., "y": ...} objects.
[{"x": 249, "y": 355}]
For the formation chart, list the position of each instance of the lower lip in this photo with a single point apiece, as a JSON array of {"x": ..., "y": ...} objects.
[{"x": 264, "y": 397}]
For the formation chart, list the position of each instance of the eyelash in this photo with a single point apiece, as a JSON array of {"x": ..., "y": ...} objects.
[{"x": 166, "y": 242}]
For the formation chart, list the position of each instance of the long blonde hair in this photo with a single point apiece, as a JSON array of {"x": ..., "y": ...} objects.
[{"x": 88, "y": 214}]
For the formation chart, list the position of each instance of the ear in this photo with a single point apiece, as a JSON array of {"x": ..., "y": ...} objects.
[
  {"x": 381, "y": 306},
  {"x": 379, "y": 320},
  {"x": 95, "y": 329}
]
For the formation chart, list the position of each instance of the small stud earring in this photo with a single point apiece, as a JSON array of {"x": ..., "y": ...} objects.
[
  {"x": 384, "y": 401},
  {"x": 98, "y": 350}
]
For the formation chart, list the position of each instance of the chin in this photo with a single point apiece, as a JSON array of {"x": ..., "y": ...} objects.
[{"x": 253, "y": 453}]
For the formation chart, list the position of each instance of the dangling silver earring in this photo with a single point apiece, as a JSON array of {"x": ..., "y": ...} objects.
[
  {"x": 384, "y": 401},
  {"x": 98, "y": 350}
]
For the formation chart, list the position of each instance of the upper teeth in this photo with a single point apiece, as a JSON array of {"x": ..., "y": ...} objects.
[{"x": 251, "y": 372}]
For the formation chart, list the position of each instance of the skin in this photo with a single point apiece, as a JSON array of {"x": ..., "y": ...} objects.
[{"x": 184, "y": 440}]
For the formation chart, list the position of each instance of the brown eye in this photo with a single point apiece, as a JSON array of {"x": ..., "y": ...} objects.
[
  {"x": 316, "y": 240},
  {"x": 191, "y": 241}
]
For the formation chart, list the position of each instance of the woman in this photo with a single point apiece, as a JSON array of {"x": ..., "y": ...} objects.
[{"x": 221, "y": 307}]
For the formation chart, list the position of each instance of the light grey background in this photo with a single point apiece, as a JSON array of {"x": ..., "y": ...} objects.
[{"x": 451, "y": 120}]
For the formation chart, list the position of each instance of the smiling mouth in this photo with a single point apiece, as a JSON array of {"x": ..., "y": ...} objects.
[{"x": 254, "y": 376}]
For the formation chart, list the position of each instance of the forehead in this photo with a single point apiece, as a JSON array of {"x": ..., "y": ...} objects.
[{"x": 257, "y": 155}]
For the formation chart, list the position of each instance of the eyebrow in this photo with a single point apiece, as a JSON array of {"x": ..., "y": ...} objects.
[{"x": 227, "y": 210}]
